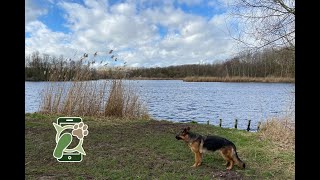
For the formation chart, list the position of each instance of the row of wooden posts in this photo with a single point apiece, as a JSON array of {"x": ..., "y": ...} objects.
[{"x": 236, "y": 124}]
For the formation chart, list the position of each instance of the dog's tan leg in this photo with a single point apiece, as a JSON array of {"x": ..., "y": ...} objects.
[
  {"x": 200, "y": 159},
  {"x": 222, "y": 151},
  {"x": 231, "y": 165},
  {"x": 195, "y": 160},
  {"x": 228, "y": 155},
  {"x": 201, "y": 146}
]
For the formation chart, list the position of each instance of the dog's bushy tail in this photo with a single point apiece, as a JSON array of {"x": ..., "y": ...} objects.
[{"x": 237, "y": 160}]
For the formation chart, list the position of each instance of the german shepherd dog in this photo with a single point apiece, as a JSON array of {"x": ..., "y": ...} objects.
[{"x": 200, "y": 144}]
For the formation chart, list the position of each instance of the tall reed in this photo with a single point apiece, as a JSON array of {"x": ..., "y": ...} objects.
[{"x": 79, "y": 96}]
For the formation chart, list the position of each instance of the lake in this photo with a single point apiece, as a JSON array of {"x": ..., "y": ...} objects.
[{"x": 179, "y": 101}]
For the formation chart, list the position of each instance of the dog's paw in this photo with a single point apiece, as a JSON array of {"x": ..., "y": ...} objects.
[
  {"x": 80, "y": 130},
  {"x": 226, "y": 164},
  {"x": 194, "y": 165}
]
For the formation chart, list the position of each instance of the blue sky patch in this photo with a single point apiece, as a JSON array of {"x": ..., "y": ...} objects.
[{"x": 54, "y": 19}]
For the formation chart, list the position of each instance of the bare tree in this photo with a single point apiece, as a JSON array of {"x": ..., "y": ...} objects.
[{"x": 265, "y": 23}]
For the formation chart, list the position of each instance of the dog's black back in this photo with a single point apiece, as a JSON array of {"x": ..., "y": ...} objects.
[{"x": 214, "y": 143}]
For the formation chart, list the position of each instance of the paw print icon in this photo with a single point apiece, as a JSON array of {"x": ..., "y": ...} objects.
[
  {"x": 69, "y": 129},
  {"x": 80, "y": 130}
]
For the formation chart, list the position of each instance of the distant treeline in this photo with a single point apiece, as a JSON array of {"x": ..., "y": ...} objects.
[
  {"x": 40, "y": 67},
  {"x": 267, "y": 63},
  {"x": 43, "y": 67}
]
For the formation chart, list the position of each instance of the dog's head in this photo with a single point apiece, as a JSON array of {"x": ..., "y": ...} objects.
[{"x": 183, "y": 134}]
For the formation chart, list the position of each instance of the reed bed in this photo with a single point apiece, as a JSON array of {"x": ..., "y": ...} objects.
[
  {"x": 80, "y": 96},
  {"x": 280, "y": 131}
]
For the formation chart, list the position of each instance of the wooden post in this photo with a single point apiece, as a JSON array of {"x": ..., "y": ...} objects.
[
  {"x": 208, "y": 122},
  {"x": 258, "y": 128},
  {"x": 249, "y": 122},
  {"x": 236, "y": 124},
  {"x": 220, "y": 122}
]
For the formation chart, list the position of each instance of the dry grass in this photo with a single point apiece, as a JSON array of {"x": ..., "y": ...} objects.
[
  {"x": 239, "y": 79},
  {"x": 82, "y": 97},
  {"x": 279, "y": 131},
  {"x": 124, "y": 102},
  {"x": 281, "y": 134}
]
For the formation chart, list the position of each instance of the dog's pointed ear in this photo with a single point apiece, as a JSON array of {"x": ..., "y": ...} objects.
[{"x": 188, "y": 128}]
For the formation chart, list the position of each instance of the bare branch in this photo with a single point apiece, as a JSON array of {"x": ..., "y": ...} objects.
[
  {"x": 289, "y": 10},
  {"x": 268, "y": 22}
]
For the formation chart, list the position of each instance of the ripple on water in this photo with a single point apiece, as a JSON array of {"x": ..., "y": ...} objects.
[{"x": 179, "y": 101}]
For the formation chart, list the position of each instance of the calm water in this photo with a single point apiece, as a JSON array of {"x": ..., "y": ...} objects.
[{"x": 180, "y": 101}]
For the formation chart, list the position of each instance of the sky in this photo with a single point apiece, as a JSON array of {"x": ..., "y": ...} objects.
[{"x": 141, "y": 33}]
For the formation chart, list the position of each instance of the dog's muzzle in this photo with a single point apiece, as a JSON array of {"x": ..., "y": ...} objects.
[{"x": 178, "y": 137}]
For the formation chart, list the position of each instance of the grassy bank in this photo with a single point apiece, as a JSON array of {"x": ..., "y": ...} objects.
[
  {"x": 239, "y": 79},
  {"x": 147, "y": 149}
]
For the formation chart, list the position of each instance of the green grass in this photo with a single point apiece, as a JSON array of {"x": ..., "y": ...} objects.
[{"x": 147, "y": 149}]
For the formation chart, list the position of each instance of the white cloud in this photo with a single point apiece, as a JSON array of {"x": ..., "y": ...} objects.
[
  {"x": 46, "y": 41},
  {"x": 121, "y": 28},
  {"x": 133, "y": 34},
  {"x": 32, "y": 11},
  {"x": 124, "y": 9}
]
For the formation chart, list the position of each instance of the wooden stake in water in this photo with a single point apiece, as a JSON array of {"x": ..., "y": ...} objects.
[
  {"x": 236, "y": 124},
  {"x": 220, "y": 122},
  {"x": 249, "y": 122},
  {"x": 259, "y": 123}
]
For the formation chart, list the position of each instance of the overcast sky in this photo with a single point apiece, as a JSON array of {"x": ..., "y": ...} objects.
[{"x": 143, "y": 33}]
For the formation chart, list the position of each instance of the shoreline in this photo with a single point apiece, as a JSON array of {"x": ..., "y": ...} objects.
[
  {"x": 240, "y": 79},
  {"x": 210, "y": 79}
]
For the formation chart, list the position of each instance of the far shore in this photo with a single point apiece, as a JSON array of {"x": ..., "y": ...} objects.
[
  {"x": 224, "y": 79},
  {"x": 213, "y": 79},
  {"x": 240, "y": 79}
]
